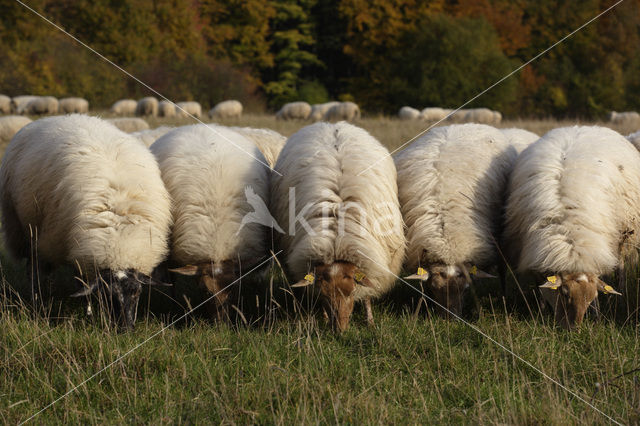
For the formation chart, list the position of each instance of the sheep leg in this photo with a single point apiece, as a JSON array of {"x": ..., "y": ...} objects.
[{"x": 367, "y": 307}]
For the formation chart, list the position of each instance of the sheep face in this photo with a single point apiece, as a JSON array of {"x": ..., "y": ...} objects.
[
  {"x": 448, "y": 285},
  {"x": 570, "y": 295}
]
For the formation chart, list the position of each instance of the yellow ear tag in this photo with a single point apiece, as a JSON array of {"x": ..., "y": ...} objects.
[
  {"x": 421, "y": 271},
  {"x": 552, "y": 279},
  {"x": 359, "y": 276},
  {"x": 309, "y": 278},
  {"x": 473, "y": 270},
  {"x": 608, "y": 289}
]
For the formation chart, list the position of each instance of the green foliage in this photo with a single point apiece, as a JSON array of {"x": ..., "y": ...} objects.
[{"x": 313, "y": 92}]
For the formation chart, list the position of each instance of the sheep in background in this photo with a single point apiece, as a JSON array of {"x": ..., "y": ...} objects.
[
  {"x": 459, "y": 116},
  {"x": 294, "y": 111},
  {"x": 434, "y": 114},
  {"x": 482, "y": 116},
  {"x": 74, "y": 105},
  {"x": 149, "y": 136},
  {"x": 519, "y": 138},
  {"x": 408, "y": 113},
  {"x": 93, "y": 197},
  {"x": 10, "y": 125},
  {"x": 19, "y": 103},
  {"x": 226, "y": 110},
  {"x": 188, "y": 108},
  {"x": 451, "y": 184},
  {"x": 129, "y": 124},
  {"x": 630, "y": 118},
  {"x": 124, "y": 107},
  {"x": 215, "y": 185},
  {"x": 42, "y": 105},
  {"x": 166, "y": 109},
  {"x": 147, "y": 106},
  {"x": 346, "y": 243},
  {"x": 268, "y": 141},
  {"x": 572, "y": 214},
  {"x": 5, "y": 104},
  {"x": 344, "y": 111},
  {"x": 318, "y": 111}
]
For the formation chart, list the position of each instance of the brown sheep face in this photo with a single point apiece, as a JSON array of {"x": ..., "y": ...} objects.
[
  {"x": 448, "y": 285},
  {"x": 570, "y": 295}
]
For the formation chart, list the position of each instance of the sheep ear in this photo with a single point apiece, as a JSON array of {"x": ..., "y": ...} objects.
[
  {"x": 188, "y": 270},
  {"x": 147, "y": 280},
  {"x": 477, "y": 273},
  {"x": 606, "y": 288},
  {"x": 422, "y": 274},
  {"x": 307, "y": 281},
  {"x": 361, "y": 279},
  {"x": 553, "y": 282}
]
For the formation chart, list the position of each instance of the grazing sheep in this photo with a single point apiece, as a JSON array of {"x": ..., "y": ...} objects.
[
  {"x": 10, "y": 125},
  {"x": 482, "y": 116},
  {"x": 129, "y": 124},
  {"x": 497, "y": 117},
  {"x": 434, "y": 114},
  {"x": 93, "y": 198},
  {"x": 19, "y": 103},
  {"x": 124, "y": 107},
  {"x": 344, "y": 111},
  {"x": 318, "y": 111},
  {"x": 226, "y": 110},
  {"x": 147, "y": 106},
  {"x": 624, "y": 118},
  {"x": 408, "y": 113},
  {"x": 268, "y": 141},
  {"x": 215, "y": 186},
  {"x": 346, "y": 238},
  {"x": 74, "y": 105},
  {"x": 451, "y": 183},
  {"x": 149, "y": 136},
  {"x": 459, "y": 116},
  {"x": 166, "y": 109},
  {"x": 520, "y": 138},
  {"x": 189, "y": 108},
  {"x": 573, "y": 212},
  {"x": 5, "y": 104},
  {"x": 42, "y": 105},
  {"x": 294, "y": 111}
]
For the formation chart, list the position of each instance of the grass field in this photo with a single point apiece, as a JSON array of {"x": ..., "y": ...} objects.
[{"x": 281, "y": 366}]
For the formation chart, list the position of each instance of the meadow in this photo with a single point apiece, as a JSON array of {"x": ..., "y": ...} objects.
[{"x": 504, "y": 363}]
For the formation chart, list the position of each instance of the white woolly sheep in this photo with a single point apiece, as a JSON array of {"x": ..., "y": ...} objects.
[
  {"x": 129, "y": 124},
  {"x": 519, "y": 138},
  {"x": 573, "y": 212},
  {"x": 19, "y": 103},
  {"x": 147, "y": 106},
  {"x": 149, "y": 136},
  {"x": 434, "y": 114},
  {"x": 318, "y": 111},
  {"x": 482, "y": 116},
  {"x": 459, "y": 116},
  {"x": 346, "y": 238},
  {"x": 408, "y": 113},
  {"x": 215, "y": 185},
  {"x": 630, "y": 118},
  {"x": 268, "y": 141},
  {"x": 92, "y": 197},
  {"x": 451, "y": 183},
  {"x": 189, "y": 108},
  {"x": 294, "y": 111},
  {"x": 124, "y": 107},
  {"x": 344, "y": 111},
  {"x": 226, "y": 109},
  {"x": 10, "y": 125},
  {"x": 5, "y": 104},
  {"x": 166, "y": 109},
  {"x": 74, "y": 105},
  {"x": 42, "y": 105}
]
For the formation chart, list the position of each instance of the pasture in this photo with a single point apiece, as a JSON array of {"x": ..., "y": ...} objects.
[{"x": 279, "y": 365}]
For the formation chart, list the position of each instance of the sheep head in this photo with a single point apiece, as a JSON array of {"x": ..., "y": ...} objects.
[
  {"x": 335, "y": 284},
  {"x": 570, "y": 295}
]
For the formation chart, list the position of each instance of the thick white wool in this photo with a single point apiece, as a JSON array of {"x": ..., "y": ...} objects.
[
  {"x": 149, "y": 136},
  {"x": 452, "y": 182},
  {"x": 268, "y": 141},
  {"x": 9, "y": 126},
  {"x": 329, "y": 166},
  {"x": 94, "y": 195},
  {"x": 207, "y": 169},
  {"x": 572, "y": 195},
  {"x": 520, "y": 138}
]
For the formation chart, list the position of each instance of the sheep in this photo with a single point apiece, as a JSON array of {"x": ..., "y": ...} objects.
[
  {"x": 19, "y": 103},
  {"x": 268, "y": 141},
  {"x": 457, "y": 116},
  {"x": 318, "y": 111},
  {"x": 346, "y": 239},
  {"x": 434, "y": 114},
  {"x": 226, "y": 110},
  {"x": 344, "y": 111},
  {"x": 91, "y": 197},
  {"x": 189, "y": 108},
  {"x": 5, "y": 104},
  {"x": 147, "y": 106},
  {"x": 482, "y": 116},
  {"x": 74, "y": 105},
  {"x": 630, "y": 118},
  {"x": 408, "y": 113},
  {"x": 166, "y": 109},
  {"x": 124, "y": 107},
  {"x": 42, "y": 105},
  {"x": 294, "y": 111},
  {"x": 572, "y": 213},
  {"x": 520, "y": 138},
  {"x": 451, "y": 185},
  {"x": 129, "y": 124},
  {"x": 10, "y": 125},
  {"x": 214, "y": 183},
  {"x": 497, "y": 117},
  {"x": 149, "y": 136}
]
